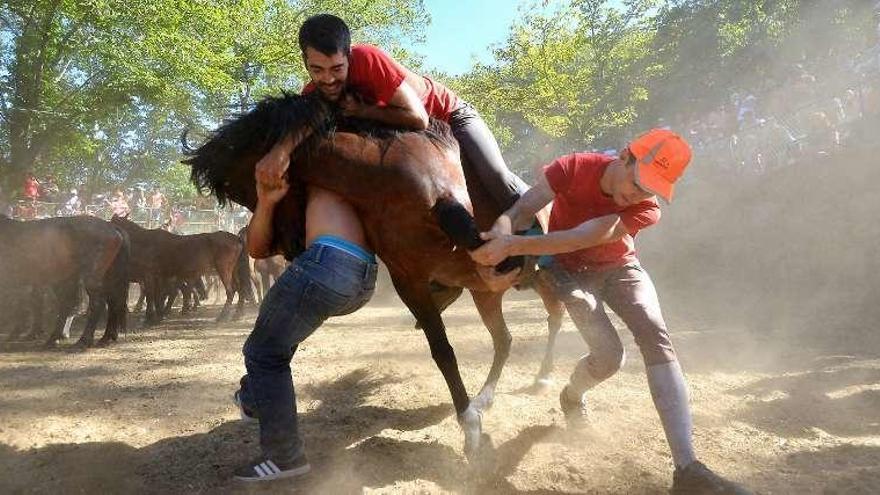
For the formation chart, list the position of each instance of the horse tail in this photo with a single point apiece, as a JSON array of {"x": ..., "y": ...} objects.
[{"x": 460, "y": 226}]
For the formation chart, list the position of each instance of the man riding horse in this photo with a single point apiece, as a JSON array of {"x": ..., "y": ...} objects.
[{"x": 337, "y": 272}]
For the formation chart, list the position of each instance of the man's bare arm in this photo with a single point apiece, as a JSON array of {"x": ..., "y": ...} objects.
[{"x": 405, "y": 109}]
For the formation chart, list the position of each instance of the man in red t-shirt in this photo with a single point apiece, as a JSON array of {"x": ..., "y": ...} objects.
[
  {"x": 367, "y": 83},
  {"x": 600, "y": 203}
]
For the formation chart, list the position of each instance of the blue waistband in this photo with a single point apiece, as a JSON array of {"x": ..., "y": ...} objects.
[{"x": 347, "y": 246}]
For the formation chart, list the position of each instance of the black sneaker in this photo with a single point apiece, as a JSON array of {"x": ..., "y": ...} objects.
[
  {"x": 247, "y": 414},
  {"x": 575, "y": 411},
  {"x": 697, "y": 479},
  {"x": 266, "y": 470}
]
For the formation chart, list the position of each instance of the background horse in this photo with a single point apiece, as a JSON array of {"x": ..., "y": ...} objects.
[
  {"x": 58, "y": 254},
  {"x": 411, "y": 194},
  {"x": 162, "y": 259}
]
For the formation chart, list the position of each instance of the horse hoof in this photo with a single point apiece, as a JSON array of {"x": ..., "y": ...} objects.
[
  {"x": 471, "y": 422},
  {"x": 542, "y": 386},
  {"x": 483, "y": 463},
  {"x": 103, "y": 343}
]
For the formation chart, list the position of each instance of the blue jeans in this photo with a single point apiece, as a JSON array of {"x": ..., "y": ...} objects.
[{"x": 323, "y": 281}]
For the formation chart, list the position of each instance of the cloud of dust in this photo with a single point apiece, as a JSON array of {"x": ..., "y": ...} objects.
[{"x": 772, "y": 229}]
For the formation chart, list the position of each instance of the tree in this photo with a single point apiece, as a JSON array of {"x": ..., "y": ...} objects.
[{"x": 102, "y": 88}]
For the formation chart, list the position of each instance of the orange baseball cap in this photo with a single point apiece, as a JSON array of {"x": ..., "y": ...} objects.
[{"x": 661, "y": 157}]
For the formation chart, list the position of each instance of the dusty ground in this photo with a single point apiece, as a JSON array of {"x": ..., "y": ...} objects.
[{"x": 153, "y": 414}]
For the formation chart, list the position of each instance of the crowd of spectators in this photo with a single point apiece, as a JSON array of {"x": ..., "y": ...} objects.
[
  {"x": 814, "y": 107},
  {"x": 150, "y": 207}
]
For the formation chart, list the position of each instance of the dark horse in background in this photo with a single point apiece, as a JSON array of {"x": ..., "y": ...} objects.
[
  {"x": 160, "y": 259},
  {"x": 56, "y": 255},
  {"x": 420, "y": 207}
]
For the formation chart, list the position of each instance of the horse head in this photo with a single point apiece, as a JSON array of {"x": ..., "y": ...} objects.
[{"x": 224, "y": 164}]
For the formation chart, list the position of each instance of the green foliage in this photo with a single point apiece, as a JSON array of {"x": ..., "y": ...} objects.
[
  {"x": 588, "y": 74},
  {"x": 99, "y": 91}
]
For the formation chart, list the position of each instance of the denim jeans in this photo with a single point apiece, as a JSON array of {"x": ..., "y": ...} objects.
[{"x": 323, "y": 281}]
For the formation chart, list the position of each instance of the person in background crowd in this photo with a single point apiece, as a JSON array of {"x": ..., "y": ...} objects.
[
  {"x": 50, "y": 191},
  {"x": 118, "y": 204},
  {"x": 157, "y": 203},
  {"x": 31, "y": 189},
  {"x": 73, "y": 205}
]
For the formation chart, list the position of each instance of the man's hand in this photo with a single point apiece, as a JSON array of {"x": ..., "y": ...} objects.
[
  {"x": 496, "y": 282},
  {"x": 271, "y": 168},
  {"x": 269, "y": 174},
  {"x": 271, "y": 195},
  {"x": 495, "y": 251}
]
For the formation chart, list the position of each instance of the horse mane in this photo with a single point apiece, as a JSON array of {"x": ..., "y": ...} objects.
[
  {"x": 217, "y": 161},
  {"x": 224, "y": 163}
]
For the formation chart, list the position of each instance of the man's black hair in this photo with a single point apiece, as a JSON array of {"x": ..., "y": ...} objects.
[{"x": 326, "y": 33}]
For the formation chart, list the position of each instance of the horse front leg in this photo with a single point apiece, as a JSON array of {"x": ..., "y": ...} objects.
[
  {"x": 417, "y": 297},
  {"x": 489, "y": 306}
]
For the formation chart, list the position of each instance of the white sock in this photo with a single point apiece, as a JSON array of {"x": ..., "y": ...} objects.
[{"x": 669, "y": 391}]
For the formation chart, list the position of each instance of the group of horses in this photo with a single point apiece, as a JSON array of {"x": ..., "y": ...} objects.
[
  {"x": 56, "y": 259},
  {"x": 421, "y": 204}
]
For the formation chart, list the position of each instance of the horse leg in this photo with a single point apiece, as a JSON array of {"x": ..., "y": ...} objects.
[
  {"x": 38, "y": 297},
  {"x": 417, "y": 297},
  {"x": 139, "y": 306},
  {"x": 225, "y": 273},
  {"x": 117, "y": 316},
  {"x": 97, "y": 306},
  {"x": 151, "y": 315},
  {"x": 66, "y": 295},
  {"x": 489, "y": 306},
  {"x": 187, "y": 292},
  {"x": 555, "y": 310},
  {"x": 169, "y": 295},
  {"x": 443, "y": 297},
  {"x": 19, "y": 315}
]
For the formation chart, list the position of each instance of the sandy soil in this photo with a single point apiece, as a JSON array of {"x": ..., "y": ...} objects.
[{"x": 153, "y": 414}]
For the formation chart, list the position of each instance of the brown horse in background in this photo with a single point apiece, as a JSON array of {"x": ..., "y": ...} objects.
[
  {"x": 57, "y": 254},
  {"x": 159, "y": 256},
  {"x": 268, "y": 270},
  {"x": 420, "y": 208}
]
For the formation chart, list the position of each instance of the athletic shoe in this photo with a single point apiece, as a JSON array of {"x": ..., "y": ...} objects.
[
  {"x": 266, "y": 470},
  {"x": 697, "y": 479}
]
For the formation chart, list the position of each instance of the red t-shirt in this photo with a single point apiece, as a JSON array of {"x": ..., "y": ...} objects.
[
  {"x": 375, "y": 77},
  {"x": 31, "y": 189},
  {"x": 575, "y": 180}
]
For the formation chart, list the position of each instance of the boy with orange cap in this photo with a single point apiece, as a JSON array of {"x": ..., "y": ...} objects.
[{"x": 600, "y": 203}]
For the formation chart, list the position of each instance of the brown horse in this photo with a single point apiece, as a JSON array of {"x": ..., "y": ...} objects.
[
  {"x": 268, "y": 269},
  {"x": 58, "y": 254},
  {"x": 411, "y": 193},
  {"x": 160, "y": 257}
]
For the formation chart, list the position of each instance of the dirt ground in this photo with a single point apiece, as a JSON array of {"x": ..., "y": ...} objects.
[{"x": 152, "y": 414}]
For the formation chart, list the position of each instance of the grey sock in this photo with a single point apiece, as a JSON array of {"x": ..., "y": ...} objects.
[{"x": 669, "y": 391}]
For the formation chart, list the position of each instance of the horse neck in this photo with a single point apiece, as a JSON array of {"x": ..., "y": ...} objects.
[{"x": 345, "y": 164}]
